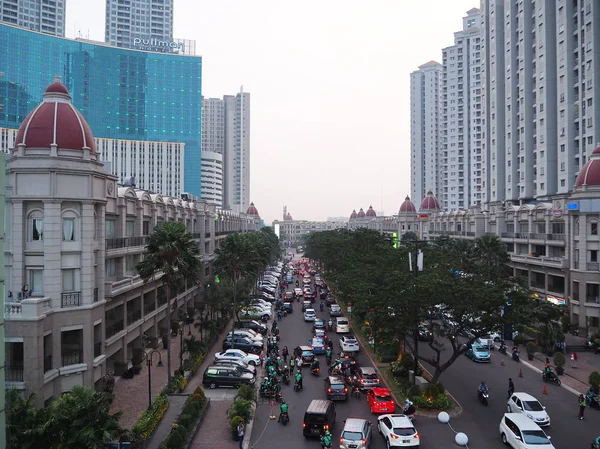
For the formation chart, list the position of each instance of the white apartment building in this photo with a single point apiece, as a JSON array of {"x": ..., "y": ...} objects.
[
  {"x": 212, "y": 178},
  {"x": 76, "y": 308},
  {"x": 425, "y": 129},
  {"x": 462, "y": 161},
  {"x": 153, "y": 166},
  {"x": 134, "y": 23},
  {"x": 237, "y": 151},
  {"x": 541, "y": 60},
  {"x": 213, "y": 125},
  {"x": 45, "y": 16}
]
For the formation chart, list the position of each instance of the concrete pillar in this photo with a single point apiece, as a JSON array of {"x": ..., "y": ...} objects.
[
  {"x": 88, "y": 269},
  {"x": 201, "y": 229},
  {"x": 139, "y": 218},
  {"x": 52, "y": 252},
  {"x": 120, "y": 223},
  {"x": 20, "y": 228}
]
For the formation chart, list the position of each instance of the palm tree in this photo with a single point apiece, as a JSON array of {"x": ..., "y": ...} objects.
[
  {"x": 173, "y": 253},
  {"x": 490, "y": 252}
]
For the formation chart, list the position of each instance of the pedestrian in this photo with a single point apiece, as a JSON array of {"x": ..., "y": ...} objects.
[
  {"x": 292, "y": 363},
  {"x": 574, "y": 360},
  {"x": 582, "y": 405},
  {"x": 299, "y": 363},
  {"x": 262, "y": 359},
  {"x": 240, "y": 432},
  {"x": 511, "y": 387},
  {"x": 285, "y": 353}
]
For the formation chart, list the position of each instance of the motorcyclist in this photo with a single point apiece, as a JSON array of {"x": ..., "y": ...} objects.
[
  {"x": 322, "y": 306},
  {"x": 328, "y": 356},
  {"x": 299, "y": 380},
  {"x": 483, "y": 388},
  {"x": 409, "y": 408},
  {"x": 330, "y": 324},
  {"x": 283, "y": 410},
  {"x": 314, "y": 365},
  {"x": 597, "y": 442},
  {"x": 326, "y": 439}
]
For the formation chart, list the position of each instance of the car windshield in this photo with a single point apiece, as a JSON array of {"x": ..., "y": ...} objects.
[
  {"x": 318, "y": 322},
  {"x": 350, "y": 341},
  {"x": 317, "y": 342},
  {"x": 404, "y": 431},
  {"x": 535, "y": 437},
  {"x": 478, "y": 348},
  {"x": 369, "y": 376},
  {"x": 352, "y": 436},
  {"x": 532, "y": 406},
  {"x": 307, "y": 353},
  {"x": 342, "y": 322},
  {"x": 385, "y": 398},
  {"x": 337, "y": 387}
]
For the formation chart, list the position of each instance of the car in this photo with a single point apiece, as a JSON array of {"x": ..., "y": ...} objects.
[
  {"x": 306, "y": 353},
  {"x": 246, "y": 333},
  {"x": 368, "y": 378},
  {"x": 226, "y": 376},
  {"x": 312, "y": 296},
  {"x": 398, "y": 431},
  {"x": 310, "y": 315},
  {"x": 287, "y": 307},
  {"x": 521, "y": 432},
  {"x": 356, "y": 434},
  {"x": 241, "y": 365},
  {"x": 318, "y": 324},
  {"x": 289, "y": 296},
  {"x": 251, "y": 324},
  {"x": 306, "y": 280},
  {"x": 242, "y": 343},
  {"x": 335, "y": 388},
  {"x": 318, "y": 345},
  {"x": 298, "y": 291},
  {"x": 424, "y": 333},
  {"x": 342, "y": 325},
  {"x": 529, "y": 406},
  {"x": 238, "y": 354},
  {"x": 380, "y": 400},
  {"x": 306, "y": 305},
  {"x": 478, "y": 353},
  {"x": 261, "y": 303},
  {"x": 330, "y": 300},
  {"x": 335, "y": 310},
  {"x": 264, "y": 314},
  {"x": 349, "y": 343},
  {"x": 321, "y": 334}
]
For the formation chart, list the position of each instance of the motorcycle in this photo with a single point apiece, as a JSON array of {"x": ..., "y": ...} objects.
[
  {"x": 503, "y": 348},
  {"x": 516, "y": 355},
  {"x": 315, "y": 371},
  {"x": 329, "y": 325},
  {"x": 550, "y": 376},
  {"x": 284, "y": 419},
  {"x": 592, "y": 400},
  {"x": 328, "y": 360},
  {"x": 286, "y": 379},
  {"x": 335, "y": 371},
  {"x": 483, "y": 396},
  {"x": 297, "y": 387},
  {"x": 595, "y": 445},
  {"x": 325, "y": 445},
  {"x": 410, "y": 412}
]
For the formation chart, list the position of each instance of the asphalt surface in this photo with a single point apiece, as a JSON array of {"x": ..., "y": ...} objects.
[{"x": 480, "y": 423}]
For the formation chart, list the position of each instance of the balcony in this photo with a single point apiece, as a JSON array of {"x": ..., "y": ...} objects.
[
  {"x": 96, "y": 294},
  {"x": 551, "y": 262},
  {"x": 47, "y": 363},
  {"x": 14, "y": 372},
  {"x": 70, "y": 299},
  {"x": 125, "y": 242},
  {"x": 593, "y": 266},
  {"x": 556, "y": 237},
  {"x": 133, "y": 317},
  {"x": 72, "y": 357},
  {"x": 97, "y": 349},
  {"x": 27, "y": 308},
  {"x": 114, "y": 328},
  {"x": 197, "y": 235}
]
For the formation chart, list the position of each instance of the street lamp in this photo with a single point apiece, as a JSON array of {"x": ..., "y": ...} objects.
[
  {"x": 417, "y": 268},
  {"x": 149, "y": 355}
]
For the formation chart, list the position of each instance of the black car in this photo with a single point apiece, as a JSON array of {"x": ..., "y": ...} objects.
[
  {"x": 239, "y": 364},
  {"x": 306, "y": 353},
  {"x": 335, "y": 388},
  {"x": 251, "y": 324},
  {"x": 226, "y": 376},
  {"x": 330, "y": 300},
  {"x": 424, "y": 333},
  {"x": 244, "y": 344},
  {"x": 288, "y": 307}
]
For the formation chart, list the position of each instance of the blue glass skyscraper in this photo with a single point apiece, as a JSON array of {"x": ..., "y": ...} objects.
[{"x": 123, "y": 94}]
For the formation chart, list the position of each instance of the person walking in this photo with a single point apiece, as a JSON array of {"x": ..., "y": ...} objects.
[
  {"x": 582, "y": 405},
  {"x": 285, "y": 353},
  {"x": 511, "y": 387},
  {"x": 240, "y": 432},
  {"x": 574, "y": 360}
]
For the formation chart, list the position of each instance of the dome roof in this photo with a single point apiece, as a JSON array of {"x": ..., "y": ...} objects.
[
  {"x": 361, "y": 213},
  {"x": 430, "y": 202},
  {"x": 55, "y": 121},
  {"x": 590, "y": 173},
  {"x": 252, "y": 210},
  {"x": 371, "y": 212},
  {"x": 407, "y": 205},
  {"x": 288, "y": 217},
  {"x": 353, "y": 214}
]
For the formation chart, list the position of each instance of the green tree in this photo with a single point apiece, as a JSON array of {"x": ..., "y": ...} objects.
[
  {"x": 172, "y": 255},
  {"x": 490, "y": 252}
]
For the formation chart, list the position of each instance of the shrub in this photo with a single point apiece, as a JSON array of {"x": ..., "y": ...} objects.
[
  {"x": 183, "y": 384},
  {"x": 175, "y": 441},
  {"x": 150, "y": 418},
  {"x": 186, "y": 420},
  {"x": 247, "y": 392},
  {"x": 559, "y": 359},
  {"x": 432, "y": 391},
  {"x": 235, "y": 422},
  {"x": 199, "y": 391},
  {"x": 176, "y": 382},
  {"x": 193, "y": 364},
  {"x": 403, "y": 365},
  {"x": 414, "y": 392},
  {"x": 241, "y": 408},
  {"x": 531, "y": 348},
  {"x": 594, "y": 379},
  {"x": 192, "y": 409},
  {"x": 518, "y": 340}
]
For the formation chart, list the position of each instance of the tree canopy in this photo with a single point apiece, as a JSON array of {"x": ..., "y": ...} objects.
[{"x": 462, "y": 293}]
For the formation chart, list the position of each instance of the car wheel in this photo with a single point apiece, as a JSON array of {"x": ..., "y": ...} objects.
[
  {"x": 504, "y": 440},
  {"x": 212, "y": 386},
  {"x": 387, "y": 443}
]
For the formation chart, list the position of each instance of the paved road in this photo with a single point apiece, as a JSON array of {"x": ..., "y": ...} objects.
[
  {"x": 480, "y": 423},
  {"x": 268, "y": 434}
]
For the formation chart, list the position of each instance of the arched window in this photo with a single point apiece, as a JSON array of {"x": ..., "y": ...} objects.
[
  {"x": 35, "y": 232},
  {"x": 70, "y": 231}
]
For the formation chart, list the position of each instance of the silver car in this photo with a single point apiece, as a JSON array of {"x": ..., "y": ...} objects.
[{"x": 356, "y": 434}]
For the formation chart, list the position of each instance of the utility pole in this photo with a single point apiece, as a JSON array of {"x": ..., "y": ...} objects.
[{"x": 418, "y": 267}]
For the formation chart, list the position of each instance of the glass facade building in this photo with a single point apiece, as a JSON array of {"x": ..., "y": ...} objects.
[{"x": 123, "y": 94}]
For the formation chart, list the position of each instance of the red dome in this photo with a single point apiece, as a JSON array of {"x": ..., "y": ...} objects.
[
  {"x": 407, "y": 205},
  {"x": 430, "y": 202},
  {"x": 252, "y": 210},
  {"x": 56, "y": 121},
  {"x": 361, "y": 213},
  {"x": 288, "y": 217},
  {"x": 353, "y": 214},
  {"x": 590, "y": 173},
  {"x": 371, "y": 212}
]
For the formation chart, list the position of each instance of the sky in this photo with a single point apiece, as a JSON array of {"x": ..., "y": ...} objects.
[{"x": 330, "y": 90}]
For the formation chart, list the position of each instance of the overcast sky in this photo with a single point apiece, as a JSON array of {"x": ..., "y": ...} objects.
[{"x": 330, "y": 90}]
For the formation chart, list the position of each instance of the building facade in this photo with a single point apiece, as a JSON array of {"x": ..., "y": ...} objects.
[
  {"x": 77, "y": 307},
  {"x": 130, "y": 21},
  {"x": 144, "y": 96},
  {"x": 212, "y": 178},
  {"x": 293, "y": 232},
  {"x": 462, "y": 158},
  {"x": 425, "y": 128},
  {"x": 45, "y": 16},
  {"x": 3, "y": 294},
  {"x": 213, "y": 125}
]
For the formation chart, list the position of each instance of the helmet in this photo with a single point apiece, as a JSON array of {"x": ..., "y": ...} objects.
[
  {"x": 408, "y": 403},
  {"x": 327, "y": 433},
  {"x": 482, "y": 382},
  {"x": 285, "y": 367}
]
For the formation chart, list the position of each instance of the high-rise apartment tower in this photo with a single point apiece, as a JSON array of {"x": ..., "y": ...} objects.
[{"x": 45, "y": 16}]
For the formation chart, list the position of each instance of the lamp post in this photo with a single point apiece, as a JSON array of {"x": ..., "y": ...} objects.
[
  {"x": 149, "y": 355},
  {"x": 418, "y": 267}
]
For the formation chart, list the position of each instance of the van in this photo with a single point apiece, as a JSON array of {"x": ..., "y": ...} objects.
[
  {"x": 319, "y": 417},
  {"x": 342, "y": 326},
  {"x": 518, "y": 430}
]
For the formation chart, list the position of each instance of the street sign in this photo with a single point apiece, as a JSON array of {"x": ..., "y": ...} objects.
[{"x": 349, "y": 309}]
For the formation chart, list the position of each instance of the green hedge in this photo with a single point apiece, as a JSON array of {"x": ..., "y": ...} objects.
[
  {"x": 150, "y": 418},
  {"x": 183, "y": 429}
]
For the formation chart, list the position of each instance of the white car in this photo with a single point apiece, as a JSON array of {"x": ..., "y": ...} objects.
[
  {"x": 349, "y": 343},
  {"x": 342, "y": 325},
  {"x": 298, "y": 291},
  {"x": 398, "y": 431},
  {"x": 238, "y": 354},
  {"x": 520, "y": 432},
  {"x": 263, "y": 313},
  {"x": 248, "y": 334},
  {"x": 310, "y": 315},
  {"x": 261, "y": 303},
  {"x": 529, "y": 406}
]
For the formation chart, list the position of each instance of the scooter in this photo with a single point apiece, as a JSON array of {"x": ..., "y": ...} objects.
[
  {"x": 483, "y": 397},
  {"x": 595, "y": 445},
  {"x": 284, "y": 419},
  {"x": 410, "y": 412},
  {"x": 516, "y": 355},
  {"x": 550, "y": 376},
  {"x": 315, "y": 371},
  {"x": 329, "y": 326},
  {"x": 328, "y": 360},
  {"x": 592, "y": 400},
  {"x": 297, "y": 387},
  {"x": 503, "y": 348}
]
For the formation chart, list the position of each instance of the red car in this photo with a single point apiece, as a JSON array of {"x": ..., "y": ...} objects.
[{"x": 380, "y": 400}]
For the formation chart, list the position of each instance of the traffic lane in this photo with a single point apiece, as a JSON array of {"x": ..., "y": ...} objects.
[
  {"x": 481, "y": 423},
  {"x": 294, "y": 331}
]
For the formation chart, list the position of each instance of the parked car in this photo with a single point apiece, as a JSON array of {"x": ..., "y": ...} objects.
[
  {"x": 238, "y": 354},
  {"x": 241, "y": 365},
  {"x": 242, "y": 343},
  {"x": 226, "y": 376},
  {"x": 251, "y": 324},
  {"x": 380, "y": 400},
  {"x": 398, "y": 431},
  {"x": 529, "y": 406},
  {"x": 247, "y": 333}
]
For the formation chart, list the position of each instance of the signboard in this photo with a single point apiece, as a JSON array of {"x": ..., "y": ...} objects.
[
  {"x": 555, "y": 300},
  {"x": 573, "y": 205},
  {"x": 349, "y": 309},
  {"x": 424, "y": 217}
]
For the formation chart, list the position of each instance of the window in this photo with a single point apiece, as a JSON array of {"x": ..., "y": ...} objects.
[
  {"x": 35, "y": 278},
  {"x": 110, "y": 267},
  {"x": 593, "y": 228},
  {"x": 69, "y": 281},
  {"x": 130, "y": 264},
  {"x": 146, "y": 228},
  {"x": 110, "y": 229},
  {"x": 37, "y": 228},
  {"x": 129, "y": 228},
  {"x": 68, "y": 229}
]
